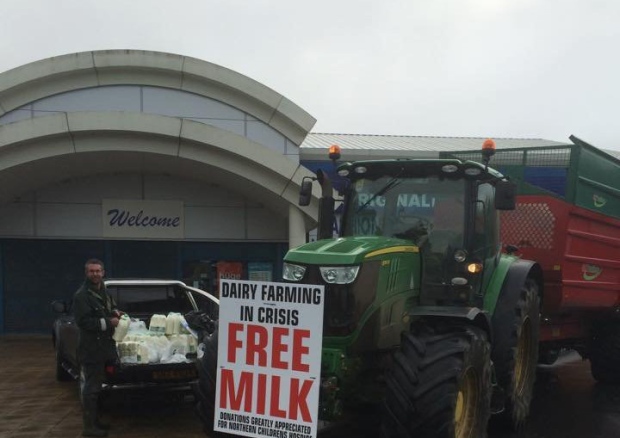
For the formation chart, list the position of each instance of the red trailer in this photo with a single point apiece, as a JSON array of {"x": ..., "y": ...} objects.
[
  {"x": 579, "y": 251},
  {"x": 568, "y": 220}
]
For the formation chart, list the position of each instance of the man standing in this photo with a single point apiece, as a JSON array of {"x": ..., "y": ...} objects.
[{"x": 96, "y": 316}]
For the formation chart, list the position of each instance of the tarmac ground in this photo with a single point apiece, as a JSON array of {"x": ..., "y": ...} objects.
[
  {"x": 34, "y": 405},
  {"x": 567, "y": 402}
]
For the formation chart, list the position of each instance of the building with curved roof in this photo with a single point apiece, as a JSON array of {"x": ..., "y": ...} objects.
[
  {"x": 162, "y": 166},
  {"x": 159, "y": 164}
]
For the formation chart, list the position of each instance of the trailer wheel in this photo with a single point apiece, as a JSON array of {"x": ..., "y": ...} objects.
[
  {"x": 204, "y": 390},
  {"x": 439, "y": 385},
  {"x": 515, "y": 353},
  {"x": 604, "y": 352}
]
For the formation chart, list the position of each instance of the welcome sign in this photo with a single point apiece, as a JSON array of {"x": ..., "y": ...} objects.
[{"x": 127, "y": 218}]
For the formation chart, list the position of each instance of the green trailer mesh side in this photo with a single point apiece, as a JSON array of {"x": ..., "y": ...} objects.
[
  {"x": 557, "y": 156},
  {"x": 536, "y": 171},
  {"x": 580, "y": 173}
]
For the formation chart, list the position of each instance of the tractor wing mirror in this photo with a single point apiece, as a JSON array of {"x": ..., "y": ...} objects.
[
  {"x": 305, "y": 192},
  {"x": 505, "y": 195}
]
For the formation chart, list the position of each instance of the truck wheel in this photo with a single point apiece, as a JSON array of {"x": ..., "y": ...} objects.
[
  {"x": 204, "y": 390},
  {"x": 604, "y": 352},
  {"x": 62, "y": 375},
  {"x": 515, "y": 352},
  {"x": 439, "y": 385}
]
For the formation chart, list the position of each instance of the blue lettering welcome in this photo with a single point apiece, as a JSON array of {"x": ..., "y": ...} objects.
[{"x": 122, "y": 218}]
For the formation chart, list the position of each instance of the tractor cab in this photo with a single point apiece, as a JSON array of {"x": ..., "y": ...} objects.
[{"x": 446, "y": 208}]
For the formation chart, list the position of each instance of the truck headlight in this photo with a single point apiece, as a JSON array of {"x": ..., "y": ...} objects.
[
  {"x": 339, "y": 274},
  {"x": 292, "y": 272}
]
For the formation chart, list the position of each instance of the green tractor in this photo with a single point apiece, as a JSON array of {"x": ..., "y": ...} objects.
[{"x": 426, "y": 320}]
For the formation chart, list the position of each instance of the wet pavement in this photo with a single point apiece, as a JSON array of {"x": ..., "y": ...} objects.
[
  {"x": 34, "y": 405},
  {"x": 568, "y": 403}
]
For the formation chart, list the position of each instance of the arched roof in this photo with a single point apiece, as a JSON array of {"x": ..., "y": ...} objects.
[
  {"x": 42, "y": 150},
  {"x": 51, "y": 76}
]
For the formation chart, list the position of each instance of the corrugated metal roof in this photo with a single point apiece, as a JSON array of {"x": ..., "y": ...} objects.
[
  {"x": 354, "y": 146},
  {"x": 408, "y": 143}
]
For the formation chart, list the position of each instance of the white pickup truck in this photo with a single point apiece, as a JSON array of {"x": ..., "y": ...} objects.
[{"x": 140, "y": 299}]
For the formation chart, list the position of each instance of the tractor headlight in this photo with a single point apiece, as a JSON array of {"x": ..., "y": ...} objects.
[
  {"x": 339, "y": 274},
  {"x": 292, "y": 272},
  {"x": 474, "y": 268},
  {"x": 460, "y": 255}
]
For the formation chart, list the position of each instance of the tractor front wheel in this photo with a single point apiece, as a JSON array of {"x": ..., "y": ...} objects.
[
  {"x": 515, "y": 352},
  {"x": 439, "y": 385}
]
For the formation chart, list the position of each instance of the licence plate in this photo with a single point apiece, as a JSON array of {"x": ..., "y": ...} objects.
[{"x": 174, "y": 374}]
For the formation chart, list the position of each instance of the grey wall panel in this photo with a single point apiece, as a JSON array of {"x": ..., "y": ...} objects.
[
  {"x": 68, "y": 220},
  {"x": 163, "y": 101},
  {"x": 181, "y": 104},
  {"x": 17, "y": 219},
  {"x": 73, "y": 209},
  {"x": 93, "y": 189},
  {"x": 236, "y": 126},
  {"x": 215, "y": 223},
  {"x": 191, "y": 192},
  {"x": 17, "y": 115},
  {"x": 118, "y": 98},
  {"x": 291, "y": 150},
  {"x": 263, "y": 134},
  {"x": 263, "y": 224}
]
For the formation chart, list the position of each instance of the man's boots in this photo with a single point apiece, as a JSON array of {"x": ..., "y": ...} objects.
[{"x": 89, "y": 412}]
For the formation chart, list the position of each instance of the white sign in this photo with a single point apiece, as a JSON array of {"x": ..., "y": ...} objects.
[
  {"x": 143, "y": 219},
  {"x": 269, "y": 359}
]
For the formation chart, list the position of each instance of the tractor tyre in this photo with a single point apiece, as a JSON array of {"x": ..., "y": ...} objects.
[
  {"x": 515, "y": 353},
  {"x": 604, "y": 352},
  {"x": 439, "y": 385},
  {"x": 204, "y": 389}
]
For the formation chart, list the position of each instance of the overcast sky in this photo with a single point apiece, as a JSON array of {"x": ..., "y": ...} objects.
[{"x": 484, "y": 68}]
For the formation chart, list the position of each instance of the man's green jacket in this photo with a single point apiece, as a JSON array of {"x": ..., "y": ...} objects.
[{"x": 93, "y": 310}]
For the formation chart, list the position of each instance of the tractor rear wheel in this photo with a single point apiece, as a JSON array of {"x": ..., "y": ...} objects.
[
  {"x": 439, "y": 385},
  {"x": 204, "y": 390},
  {"x": 515, "y": 352}
]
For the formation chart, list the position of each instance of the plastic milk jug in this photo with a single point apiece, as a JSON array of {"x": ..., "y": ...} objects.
[
  {"x": 121, "y": 329},
  {"x": 157, "y": 324},
  {"x": 173, "y": 324}
]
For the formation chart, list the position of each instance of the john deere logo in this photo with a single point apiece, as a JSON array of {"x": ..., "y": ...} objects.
[
  {"x": 590, "y": 272},
  {"x": 599, "y": 201}
]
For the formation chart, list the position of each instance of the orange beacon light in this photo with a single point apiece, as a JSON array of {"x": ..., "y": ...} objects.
[{"x": 334, "y": 152}]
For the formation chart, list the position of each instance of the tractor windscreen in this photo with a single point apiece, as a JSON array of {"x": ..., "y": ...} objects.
[
  {"x": 429, "y": 212},
  {"x": 410, "y": 208}
]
